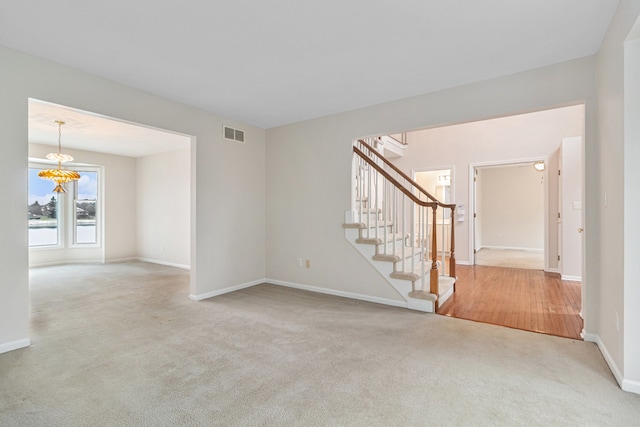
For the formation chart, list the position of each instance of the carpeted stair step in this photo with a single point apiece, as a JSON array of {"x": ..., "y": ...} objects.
[
  {"x": 380, "y": 239},
  {"x": 397, "y": 255}
]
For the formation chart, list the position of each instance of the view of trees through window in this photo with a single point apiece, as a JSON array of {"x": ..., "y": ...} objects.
[
  {"x": 43, "y": 211},
  {"x": 46, "y": 221},
  {"x": 86, "y": 195}
]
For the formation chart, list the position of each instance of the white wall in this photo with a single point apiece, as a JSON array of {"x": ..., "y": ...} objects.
[
  {"x": 632, "y": 207},
  {"x": 163, "y": 207},
  {"x": 507, "y": 139},
  {"x": 119, "y": 175},
  {"x": 227, "y": 180},
  {"x": 511, "y": 208},
  {"x": 309, "y": 169},
  {"x": 618, "y": 293}
]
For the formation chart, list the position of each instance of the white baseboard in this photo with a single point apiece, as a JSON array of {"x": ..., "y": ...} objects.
[
  {"x": 169, "y": 264},
  {"x": 631, "y": 386},
  {"x": 512, "y": 248},
  {"x": 572, "y": 278},
  {"x": 361, "y": 297},
  {"x": 552, "y": 270},
  {"x": 607, "y": 357},
  {"x": 131, "y": 258},
  {"x": 215, "y": 293},
  {"x": 462, "y": 262},
  {"x": 14, "y": 345},
  {"x": 66, "y": 262}
]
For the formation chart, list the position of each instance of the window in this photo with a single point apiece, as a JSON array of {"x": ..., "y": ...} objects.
[
  {"x": 43, "y": 211},
  {"x": 64, "y": 219},
  {"x": 86, "y": 200}
]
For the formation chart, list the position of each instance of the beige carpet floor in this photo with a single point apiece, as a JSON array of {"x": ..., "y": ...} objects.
[
  {"x": 122, "y": 345},
  {"x": 510, "y": 258}
]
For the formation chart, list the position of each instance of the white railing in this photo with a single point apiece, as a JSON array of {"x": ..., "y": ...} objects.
[{"x": 401, "y": 216}]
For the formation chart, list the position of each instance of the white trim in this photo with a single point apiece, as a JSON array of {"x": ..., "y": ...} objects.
[
  {"x": 131, "y": 258},
  {"x": 361, "y": 297},
  {"x": 512, "y": 248},
  {"x": 631, "y": 386},
  {"x": 66, "y": 262},
  {"x": 462, "y": 262},
  {"x": 573, "y": 278},
  {"x": 14, "y": 345},
  {"x": 212, "y": 294},
  {"x": 472, "y": 197},
  {"x": 170, "y": 264},
  {"x": 552, "y": 270},
  {"x": 607, "y": 357}
]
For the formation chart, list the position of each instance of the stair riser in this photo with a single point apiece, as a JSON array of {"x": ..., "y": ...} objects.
[
  {"x": 371, "y": 232},
  {"x": 398, "y": 266}
]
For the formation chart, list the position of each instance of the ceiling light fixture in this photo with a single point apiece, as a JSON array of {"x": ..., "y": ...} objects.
[
  {"x": 539, "y": 165},
  {"x": 59, "y": 176}
]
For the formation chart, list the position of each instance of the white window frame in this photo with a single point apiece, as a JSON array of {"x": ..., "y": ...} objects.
[
  {"x": 60, "y": 212},
  {"x": 66, "y": 212},
  {"x": 72, "y": 194}
]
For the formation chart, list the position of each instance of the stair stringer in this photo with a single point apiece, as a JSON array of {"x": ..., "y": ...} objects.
[{"x": 385, "y": 268}]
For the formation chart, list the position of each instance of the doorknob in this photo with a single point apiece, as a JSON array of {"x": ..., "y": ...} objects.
[{"x": 580, "y": 230}]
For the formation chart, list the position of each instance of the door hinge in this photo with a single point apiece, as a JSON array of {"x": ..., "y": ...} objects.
[
  {"x": 558, "y": 171},
  {"x": 474, "y": 215},
  {"x": 558, "y": 214},
  {"x": 474, "y": 251},
  {"x": 558, "y": 257},
  {"x": 475, "y": 179}
]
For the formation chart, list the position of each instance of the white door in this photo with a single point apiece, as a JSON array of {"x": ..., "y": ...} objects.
[{"x": 570, "y": 191}]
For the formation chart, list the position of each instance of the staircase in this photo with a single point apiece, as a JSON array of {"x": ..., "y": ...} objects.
[{"x": 394, "y": 223}]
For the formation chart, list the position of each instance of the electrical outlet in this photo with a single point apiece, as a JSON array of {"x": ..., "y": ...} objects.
[{"x": 307, "y": 263}]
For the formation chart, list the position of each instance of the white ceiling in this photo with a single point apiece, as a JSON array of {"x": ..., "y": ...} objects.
[
  {"x": 269, "y": 63},
  {"x": 91, "y": 132}
]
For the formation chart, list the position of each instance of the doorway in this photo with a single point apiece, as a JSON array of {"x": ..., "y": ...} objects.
[
  {"x": 129, "y": 162},
  {"x": 509, "y": 214}
]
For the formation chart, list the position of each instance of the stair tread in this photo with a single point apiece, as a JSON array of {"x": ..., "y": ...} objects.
[
  {"x": 444, "y": 282},
  {"x": 380, "y": 239},
  {"x": 423, "y": 295},
  {"x": 415, "y": 274},
  {"x": 362, "y": 225},
  {"x": 397, "y": 254}
]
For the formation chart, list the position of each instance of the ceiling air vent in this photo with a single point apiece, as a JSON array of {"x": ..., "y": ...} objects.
[{"x": 233, "y": 134}]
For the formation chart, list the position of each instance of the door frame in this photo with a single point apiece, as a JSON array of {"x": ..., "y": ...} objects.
[{"x": 472, "y": 201}]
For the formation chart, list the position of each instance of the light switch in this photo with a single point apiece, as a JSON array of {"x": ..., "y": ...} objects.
[{"x": 577, "y": 205}]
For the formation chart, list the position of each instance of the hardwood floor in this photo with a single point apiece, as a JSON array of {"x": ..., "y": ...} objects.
[{"x": 531, "y": 300}]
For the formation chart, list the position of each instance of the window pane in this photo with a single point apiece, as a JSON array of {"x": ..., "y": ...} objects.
[
  {"x": 42, "y": 211},
  {"x": 86, "y": 204}
]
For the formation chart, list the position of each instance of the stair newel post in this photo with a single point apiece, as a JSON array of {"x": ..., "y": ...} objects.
[
  {"x": 369, "y": 168},
  {"x": 359, "y": 188},
  {"x": 433, "y": 278},
  {"x": 375, "y": 199},
  {"x": 452, "y": 255},
  {"x": 385, "y": 202},
  {"x": 423, "y": 245},
  {"x": 404, "y": 232}
]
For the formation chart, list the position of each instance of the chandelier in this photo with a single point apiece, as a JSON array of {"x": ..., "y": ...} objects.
[{"x": 59, "y": 175}]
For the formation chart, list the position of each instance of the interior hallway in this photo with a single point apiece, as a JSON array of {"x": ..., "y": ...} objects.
[
  {"x": 530, "y": 300},
  {"x": 510, "y": 258}
]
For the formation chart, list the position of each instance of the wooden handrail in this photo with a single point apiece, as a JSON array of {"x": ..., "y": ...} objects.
[
  {"x": 403, "y": 175},
  {"x": 371, "y": 158},
  {"x": 393, "y": 180}
]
